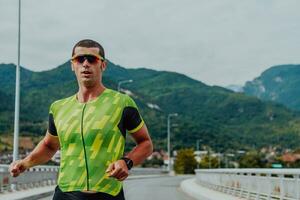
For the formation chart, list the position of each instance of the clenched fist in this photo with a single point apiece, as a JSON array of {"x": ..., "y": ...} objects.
[
  {"x": 118, "y": 170},
  {"x": 17, "y": 167}
]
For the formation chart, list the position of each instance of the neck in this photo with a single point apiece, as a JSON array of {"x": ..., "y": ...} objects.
[{"x": 86, "y": 94}]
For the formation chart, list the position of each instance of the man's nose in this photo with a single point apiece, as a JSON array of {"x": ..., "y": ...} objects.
[{"x": 86, "y": 63}]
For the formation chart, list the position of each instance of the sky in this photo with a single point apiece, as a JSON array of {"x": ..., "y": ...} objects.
[{"x": 218, "y": 42}]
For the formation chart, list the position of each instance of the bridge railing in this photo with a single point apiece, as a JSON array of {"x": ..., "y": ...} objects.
[
  {"x": 47, "y": 175},
  {"x": 283, "y": 184},
  {"x": 147, "y": 171},
  {"x": 34, "y": 177}
]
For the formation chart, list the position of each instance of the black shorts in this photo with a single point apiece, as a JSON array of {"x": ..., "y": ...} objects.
[{"x": 76, "y": 195}]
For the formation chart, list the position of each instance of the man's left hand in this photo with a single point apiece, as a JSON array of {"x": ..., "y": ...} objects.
[{"x": 118, "y": 170}]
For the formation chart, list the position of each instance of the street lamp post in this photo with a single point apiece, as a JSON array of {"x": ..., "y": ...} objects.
[
  {"x": 169, "y": 133},
  {"x": 219, "y": 159},
  {"x": 209, "y": 160},
  {"x": 17, "y": 94},
  {"x": 198, "y": 148},
  {"x": 122, "y": 82}
]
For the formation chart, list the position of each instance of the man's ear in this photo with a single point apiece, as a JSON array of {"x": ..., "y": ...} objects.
[{"x": 103, "y": 66}]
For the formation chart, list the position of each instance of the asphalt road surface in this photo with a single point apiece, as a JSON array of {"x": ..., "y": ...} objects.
[{"x": 157, "y": 188}]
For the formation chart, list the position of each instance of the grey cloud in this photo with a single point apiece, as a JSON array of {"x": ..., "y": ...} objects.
[{"x": 207, "y": 40}]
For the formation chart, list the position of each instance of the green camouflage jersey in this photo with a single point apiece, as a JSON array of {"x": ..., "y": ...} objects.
[{"x": 91, "y": 136}]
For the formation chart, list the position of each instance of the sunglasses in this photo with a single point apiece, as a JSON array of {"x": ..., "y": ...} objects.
[{"x": 92, "y": 59}]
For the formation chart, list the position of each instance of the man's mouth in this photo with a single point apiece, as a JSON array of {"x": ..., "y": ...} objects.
[{"x": 86, "y": 72}]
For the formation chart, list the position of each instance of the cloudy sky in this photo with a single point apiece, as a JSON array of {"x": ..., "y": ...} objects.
[{"x": 219, "y": 42}]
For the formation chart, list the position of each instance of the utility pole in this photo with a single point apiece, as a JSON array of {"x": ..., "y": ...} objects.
[
  {"x": 169, "y": 138},
  {"x": 17, "y": 94},
  {"x": 209, "y": 160}
]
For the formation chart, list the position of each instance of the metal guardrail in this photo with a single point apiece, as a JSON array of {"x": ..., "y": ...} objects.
[
  {"x": 34, "y": 177},
  {"x": 147, "y": 171},
  {"x": 47, "y": 175},
  {"x": 267, "y": 184}
]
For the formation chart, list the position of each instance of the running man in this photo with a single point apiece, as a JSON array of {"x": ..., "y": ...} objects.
[{"x": 90, "y": 128}]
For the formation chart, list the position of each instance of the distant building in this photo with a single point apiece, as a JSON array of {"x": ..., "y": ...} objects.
[{"x": 290, "y": 157}]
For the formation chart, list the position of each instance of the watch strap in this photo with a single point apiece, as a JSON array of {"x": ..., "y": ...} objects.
[{"x": 128, "y": 162}]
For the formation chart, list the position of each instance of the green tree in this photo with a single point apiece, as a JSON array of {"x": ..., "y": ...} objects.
[
  {"x": 185, "y": 162},
  {"x": 252, "y": 159},
  {"x": 204, "y": 163}
]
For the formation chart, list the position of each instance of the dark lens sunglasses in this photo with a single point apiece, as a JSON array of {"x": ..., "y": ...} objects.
[{"x": 90, "y": 58}]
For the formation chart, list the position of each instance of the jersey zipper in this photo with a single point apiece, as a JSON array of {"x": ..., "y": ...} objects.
[{"x": 84, "y": 150}]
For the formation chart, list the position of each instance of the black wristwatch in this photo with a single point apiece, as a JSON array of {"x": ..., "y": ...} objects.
[{"x": 128, "y": 162}]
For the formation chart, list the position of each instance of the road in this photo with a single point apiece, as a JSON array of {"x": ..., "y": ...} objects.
[{"x": 158, "y": 188}]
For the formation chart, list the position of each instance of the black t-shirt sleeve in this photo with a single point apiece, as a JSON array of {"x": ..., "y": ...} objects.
[
  {"x": 132, "y": 118},
  {"x": 51, "y": 125}
]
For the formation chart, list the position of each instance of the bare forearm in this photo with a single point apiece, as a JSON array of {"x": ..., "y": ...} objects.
[
  {"x": 141, "y": 152},
  {"x": 40, "y": 155}
]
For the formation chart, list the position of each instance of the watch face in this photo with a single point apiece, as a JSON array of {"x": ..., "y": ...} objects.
[{"x": 128, "y": 162}]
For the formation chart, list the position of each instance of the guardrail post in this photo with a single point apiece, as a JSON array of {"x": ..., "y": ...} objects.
[
  {"x": 257, "y": 175},
  {"x": 249, "y": 194},
  {"x": 281, "y": 177},
  {"x": 243, "y": 184},
  {"x": 296, "y": 176},
  {"x": 269, "y": 175},
  {"x": 237, "y": 184}
]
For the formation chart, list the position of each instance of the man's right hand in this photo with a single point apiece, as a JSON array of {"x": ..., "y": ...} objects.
[{"x": 17, "y": 167}]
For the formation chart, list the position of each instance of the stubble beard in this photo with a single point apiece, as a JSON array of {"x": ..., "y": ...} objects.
[{"x": 88, "y": 83}]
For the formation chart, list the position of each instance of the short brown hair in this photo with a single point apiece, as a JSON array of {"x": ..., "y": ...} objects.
[{"x": 89, "y": 44}]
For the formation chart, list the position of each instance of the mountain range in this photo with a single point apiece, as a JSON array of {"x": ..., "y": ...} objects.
[
  {"x": 221, "y": 118},
  {"x": 278, "y": 84}
]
